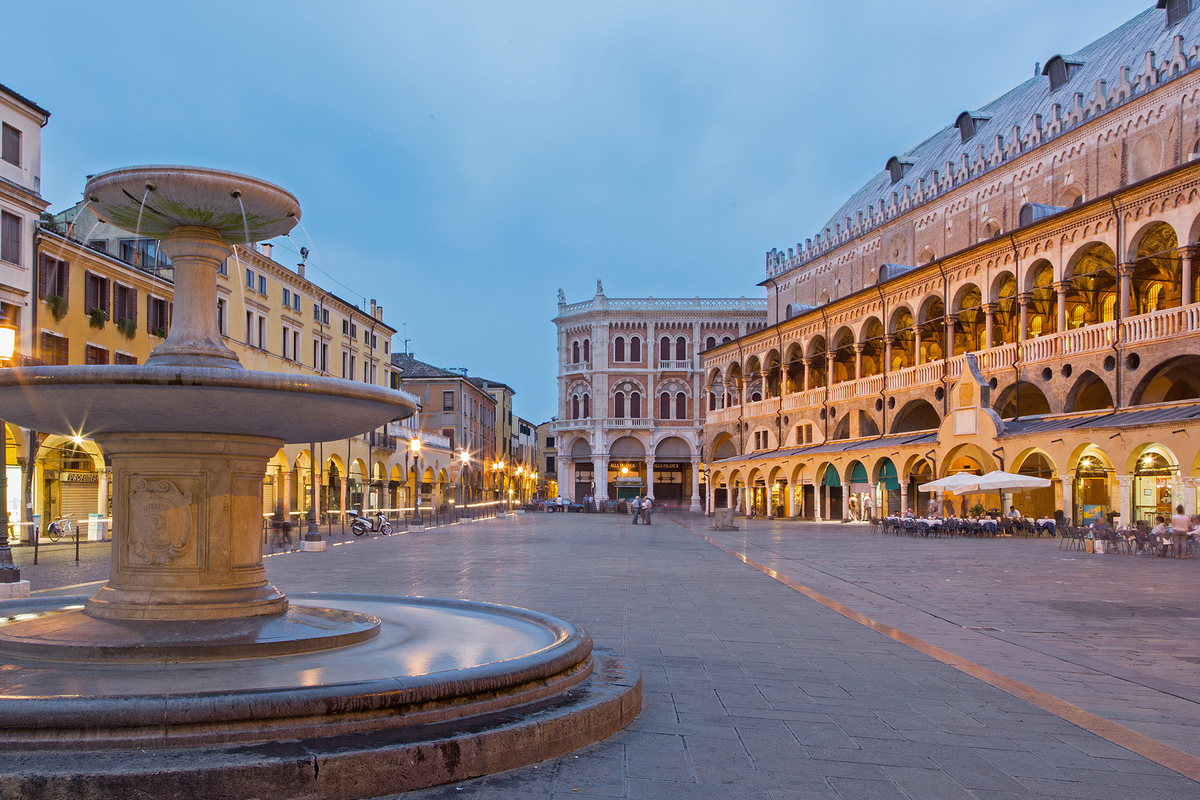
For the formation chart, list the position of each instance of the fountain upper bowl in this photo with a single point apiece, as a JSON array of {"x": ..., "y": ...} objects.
[
  {"x": 90, "y": 400},
  {"x": 154, "y": 200}
]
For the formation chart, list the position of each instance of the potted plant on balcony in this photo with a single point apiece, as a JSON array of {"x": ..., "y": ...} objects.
[
  {"x": 97, "y": 318},
  {"x": 57, "y": 305},
  {"x": 127, "y": 327},
  {"x": 160, "y": 332}
]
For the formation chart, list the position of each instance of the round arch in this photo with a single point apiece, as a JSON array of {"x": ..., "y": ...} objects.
[
  {"x": 1174, "y": 379},
  {"x": 916, "y": 415},
  {"x": 1021, "y": 399},
  {"x": 1088, "y": 393}
]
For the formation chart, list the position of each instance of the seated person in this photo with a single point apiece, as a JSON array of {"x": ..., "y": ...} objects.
[{"x": 1013, "y": 513}]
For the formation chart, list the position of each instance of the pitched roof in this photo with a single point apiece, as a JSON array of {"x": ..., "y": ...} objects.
[
  {"x": 23, "y": 99},
  {"x": 1101, "y": 61},
  {"x": 411, "y": 367},
  {"x": 1135, "y": 417}
]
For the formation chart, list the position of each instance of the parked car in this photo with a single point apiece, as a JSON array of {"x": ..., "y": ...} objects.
[{"x": 565, "y": 505}]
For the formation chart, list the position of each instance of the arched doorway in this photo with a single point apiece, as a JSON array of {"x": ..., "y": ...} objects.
[
  {"x": 831, "y": 485},
  {"x": 672, "y": 472},
  {"x": 626, "y": 468},
  {"x": 1036, "y": 503},
  {"x": 1091, "y": 489},
  {"x": 1154, "y": 478},
  {"x": 860, "y": 488},
  {"x": 887, "y": 486},
  {"x": 921, "y": 472}
]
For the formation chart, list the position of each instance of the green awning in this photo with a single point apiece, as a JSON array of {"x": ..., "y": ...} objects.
[
  {"x": 887, "y": 475},
  {"x": 859, "y": 475},
  {"x": 831, "y": 477}
]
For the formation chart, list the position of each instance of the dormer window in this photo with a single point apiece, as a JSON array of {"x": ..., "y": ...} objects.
[
  {"x": 1176, "y": 9},
  {"x": 1060, "y": 70},
  {"x": 967, "y": 123},
  {"x": 897, "y": 168}
]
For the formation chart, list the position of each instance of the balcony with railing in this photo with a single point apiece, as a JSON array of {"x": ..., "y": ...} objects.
[
  {"x": 1157, "y": 326},
  {"x": 675, "y": 366}
]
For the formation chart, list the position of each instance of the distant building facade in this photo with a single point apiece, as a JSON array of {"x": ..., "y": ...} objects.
[
  {"x": 1016, "y": 292},
  {"x": 631, "y": 392}
]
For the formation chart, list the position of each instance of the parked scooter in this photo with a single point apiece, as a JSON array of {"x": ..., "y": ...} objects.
[{"x": 360, "y": 524}]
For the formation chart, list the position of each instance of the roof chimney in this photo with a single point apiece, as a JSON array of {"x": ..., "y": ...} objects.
[{"x": 267, "y": 248}]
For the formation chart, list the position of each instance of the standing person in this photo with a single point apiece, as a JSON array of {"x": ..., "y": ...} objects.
[
  {"x": 1181, "y": 524},
  {"x": 853, "y": 508},
  {"x": 868, "y": 507},
  {"x": 637, "y": 508},
  {"x": 647, "y": 504}
]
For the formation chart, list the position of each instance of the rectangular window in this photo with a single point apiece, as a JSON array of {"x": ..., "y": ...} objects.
[
  {"x": 262, "y": 333},
  {"x": 99, "y": 245},
  {"x": 448, "y": 401},
  {"x": 287, "y": 299},
  {"x": 262, "y": 284},
  {"x": 124, "y": 303},
  {"x": 54, "y": 277},
  {"x": 345, "y": 361},
  {"x": 10, "y": 237},
  {"x": 93, "y": 356},
  {"x": 54, "y": 350},
  {"x": 549, "y": 465},
  {"x": 222, "y": 318},
  {"x": 324, "y": 357},
  {"x": 316, "y": 354},
  {"x": 249, "y": 328},
  {"x": 296, "y": 303},
  {"x": 296, "y": 345},
  {"x": 224, "y": 268},
  {"x": 345, "y": 327},
  {"x": 10, "y": 150},
  {"x": 287, "y": 342},
  {"x": 386, "y": 347},
  {"x": 95, "y": 293},
  {"x": 249, "y": 278},
  {"x": 324, "y": 316},
  {"x": 353, "y": 330},
  {"x": 549, "y": 441},
  {"x": 352, "y": 370},
  {"x": 156, "y": 315},
  {"x": 139, "y": 252},
  {"x": 125, "y": 358},
  {"x": 316, "y": 313}
]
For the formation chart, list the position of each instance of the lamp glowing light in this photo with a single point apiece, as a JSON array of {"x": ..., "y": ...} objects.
[{"x": 8, "y": 341}]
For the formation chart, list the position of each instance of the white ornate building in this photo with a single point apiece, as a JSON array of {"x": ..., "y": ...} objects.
[
  {"x": 1015, "y": 292},
  {"x": 631, "y": 392}
]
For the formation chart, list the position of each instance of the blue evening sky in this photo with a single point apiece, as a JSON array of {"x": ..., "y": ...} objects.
[{"x": 461, "y": 161}]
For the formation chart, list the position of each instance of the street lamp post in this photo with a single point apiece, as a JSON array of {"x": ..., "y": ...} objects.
[
  {"x": 312, "y": 534},
  {"x": 9, "y": 572},
  {"x": 414, "y": 450},
  {"x": 465, "y": 458}
]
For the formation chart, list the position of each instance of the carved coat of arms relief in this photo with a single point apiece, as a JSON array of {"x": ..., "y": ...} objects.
[{"x": 160, "y": 522}]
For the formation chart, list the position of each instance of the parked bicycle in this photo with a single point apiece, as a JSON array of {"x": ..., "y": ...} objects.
[{"x": 59, "y": 528}]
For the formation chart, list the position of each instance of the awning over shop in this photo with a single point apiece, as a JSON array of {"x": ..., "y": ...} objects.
[
  {"x": 859, "y": 473},
  {"x": 831, "y": 477},
  {"x": 887, "y": 475}
]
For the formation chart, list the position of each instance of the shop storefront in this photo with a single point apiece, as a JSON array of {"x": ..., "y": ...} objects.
[
  {"x": 887, "y": 503},
  {"x": 1153, "y": 486},
  {"x": 1092, "y": 491}
]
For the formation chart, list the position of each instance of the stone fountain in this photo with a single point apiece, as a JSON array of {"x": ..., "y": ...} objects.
[{"x": 187, "y": 670}]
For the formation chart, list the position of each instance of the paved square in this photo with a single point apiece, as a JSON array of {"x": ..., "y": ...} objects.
[{"x": 753, "y": 690}]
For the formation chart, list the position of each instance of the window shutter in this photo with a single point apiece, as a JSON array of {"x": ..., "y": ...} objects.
[
  {"x": 63, "y": 285},
  {"x": 43, "y": 275},
  {"x": 89, "y": 292},
  {"x": 63, "y": 355},
  {"x": 131, "y": 305},
  {"x": 104, "y": 295}
]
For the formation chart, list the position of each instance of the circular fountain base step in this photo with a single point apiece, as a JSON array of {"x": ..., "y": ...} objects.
[
  {"x": 348, "y": 767},
  {"x": 69, "y": 635}
]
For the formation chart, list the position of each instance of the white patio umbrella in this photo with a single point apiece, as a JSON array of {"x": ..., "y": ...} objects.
[
  {"x": 951, "y": 483},
  {"x": 999, "y": 481}
]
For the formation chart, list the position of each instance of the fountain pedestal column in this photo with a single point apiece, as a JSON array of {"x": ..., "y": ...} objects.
[
  {"x": 195, "y": 338},
  {"x": 187, "y": 528}
]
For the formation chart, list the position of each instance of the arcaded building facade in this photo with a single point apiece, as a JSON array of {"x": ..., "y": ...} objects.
[
  {"x": 631, "y": 398},
  {"x": 1017, "y": 292}
]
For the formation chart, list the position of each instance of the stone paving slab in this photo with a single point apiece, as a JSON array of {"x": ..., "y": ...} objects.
[{"x": 751, "y": 689}]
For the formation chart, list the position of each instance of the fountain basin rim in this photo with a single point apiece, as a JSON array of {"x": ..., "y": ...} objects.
[
  {"x": 569, "y": 655},
  {"x": 196, "y": 196},
  {"x": 295, "y": 408}
]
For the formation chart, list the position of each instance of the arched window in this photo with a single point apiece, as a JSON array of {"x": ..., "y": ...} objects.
[
  {"x": 587, "y": 350},
  {"x": 619, "y": 405},
  {"x": 635, "y": 349},
  {"x": 575, "y": 352},
  {"x": 664, "y": 349},
  {"x": 710, "y": 343},
  {"x": 587, "y": 406},
  {"x": 725, "y": 340},
  {"x": 712, "y": 401},
  {"x": 681, "y": 349},
  {"x": 681, "y": 406},
  {"x": 664, "y": 406},
  {"x": 575, "y": 407},
  {"x": 619, "y": 349},
  {"x": 635, "y": 405}
]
